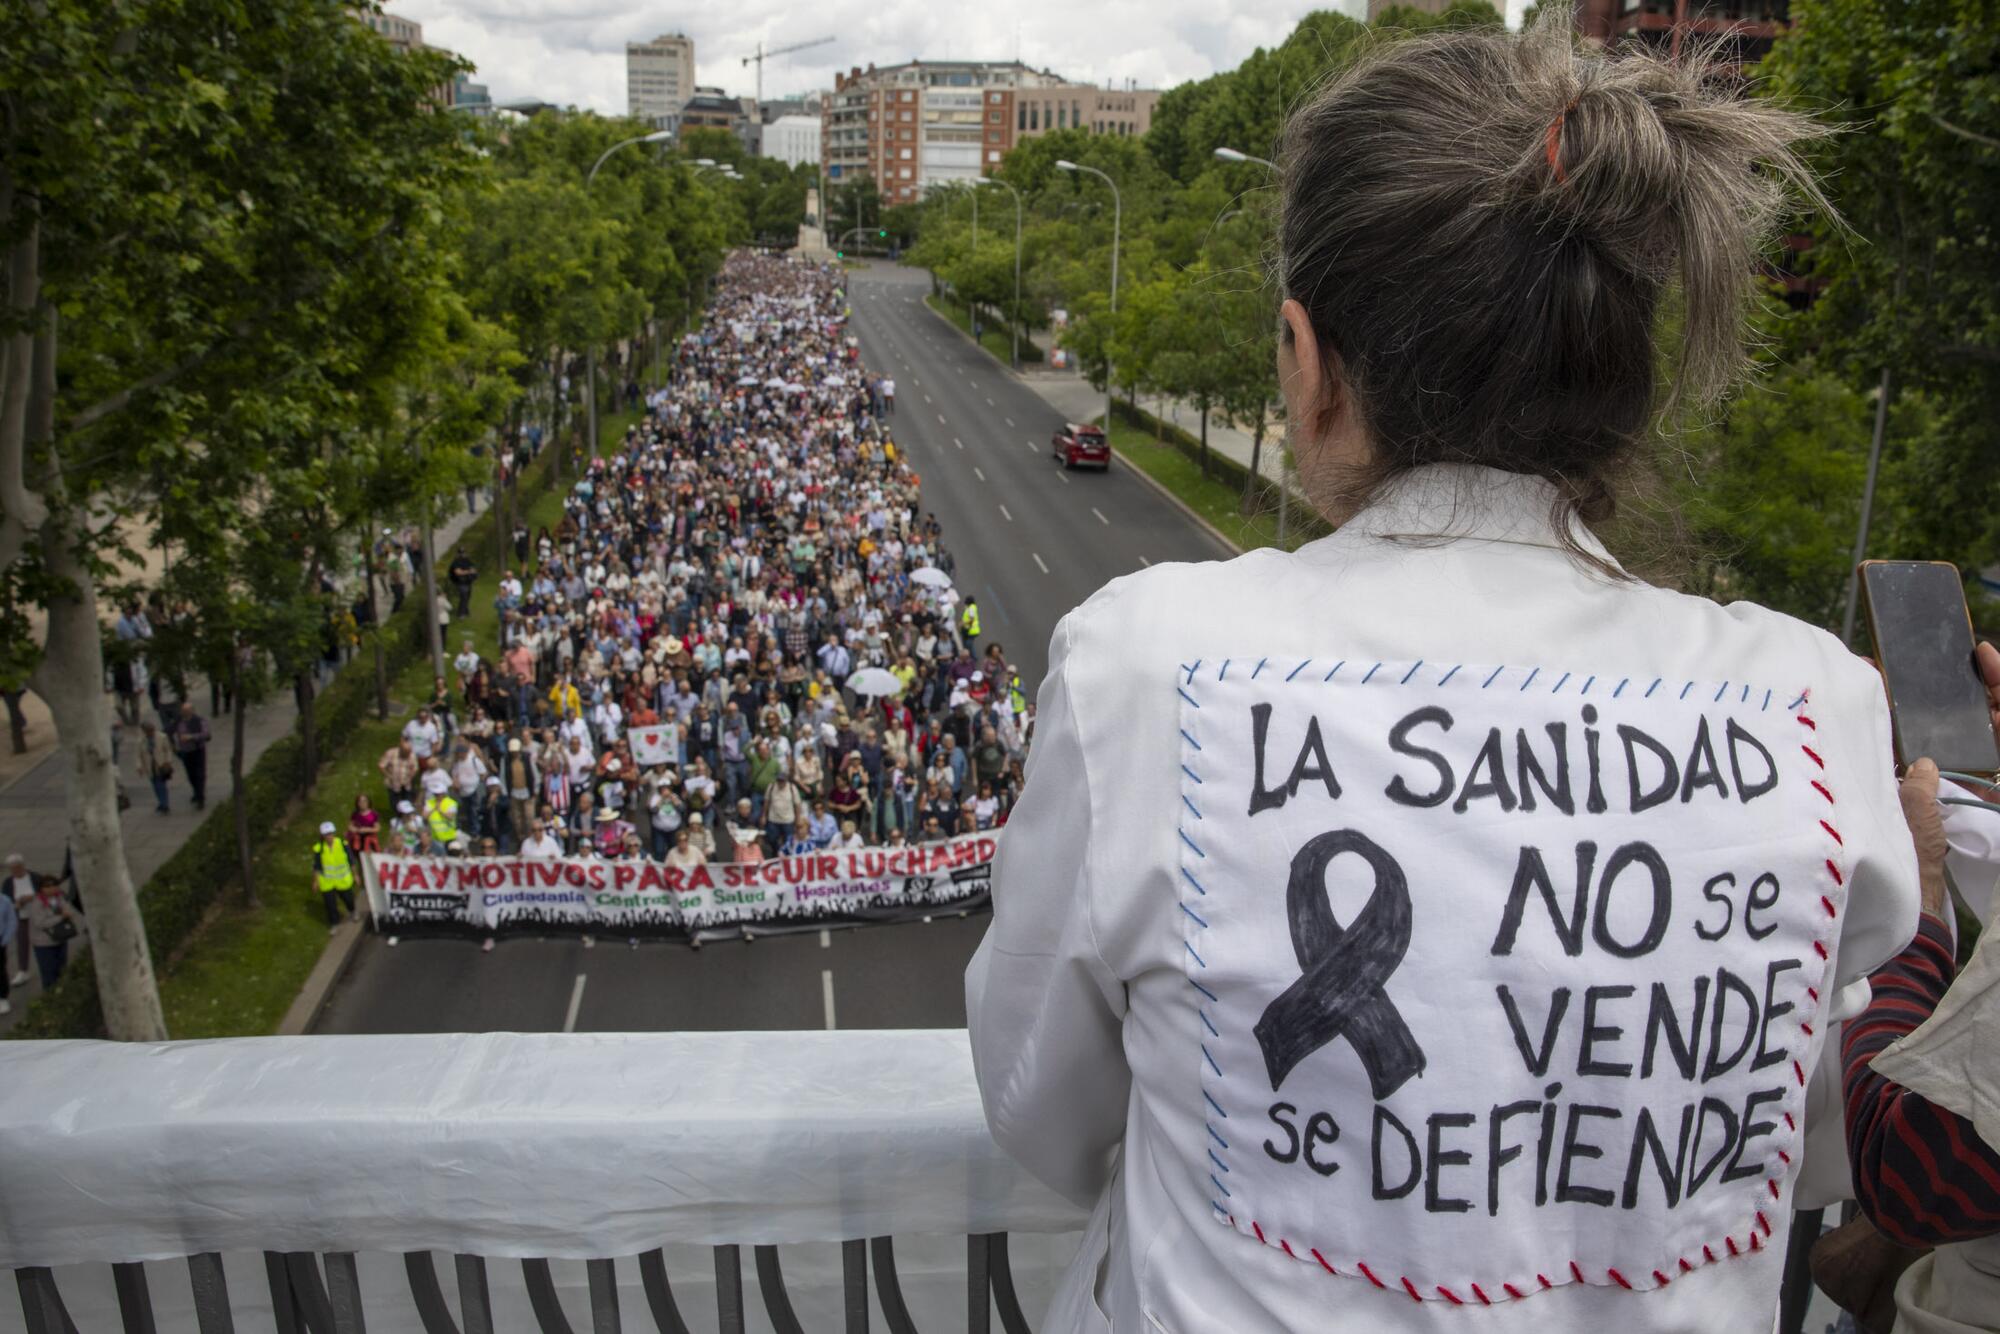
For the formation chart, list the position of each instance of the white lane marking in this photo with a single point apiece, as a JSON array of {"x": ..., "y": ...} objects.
[
  {"x": 825, "y": 939},
  {"x": 1005, "y": 515},
  {"x": 1033, "y": 447},
  {"x": 927, "y": 398},
  {"x": 1009, "y": 421},
  {"x": 1143, "y": 561},
  {"x": 1038, "y": 561},
  {"x": 575, "y": 1004},
  {"x": 940, "y": 419},
  {"x": 956, "y": 441},
  {"x": 1063, "y": 477},
  {"x": 989, "y": 403},
  {"x": 1100, "y": 516},
  {"x": 826, "y": 995},
  {"x": 976, "y": 473}
]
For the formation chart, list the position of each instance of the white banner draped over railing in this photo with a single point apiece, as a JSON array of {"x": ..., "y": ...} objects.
[{"x": 648, "y": 898}]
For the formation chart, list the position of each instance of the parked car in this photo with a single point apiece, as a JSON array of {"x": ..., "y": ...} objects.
[{"x": 1077, "y": 446}]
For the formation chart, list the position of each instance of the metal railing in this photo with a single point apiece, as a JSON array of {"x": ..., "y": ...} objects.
[
  {"x": 322, "y": 1294},
  {"x": 337, "y": 1161}
]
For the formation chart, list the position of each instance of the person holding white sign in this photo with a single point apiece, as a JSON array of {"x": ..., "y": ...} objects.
[{"x": 1437, "y": 927}]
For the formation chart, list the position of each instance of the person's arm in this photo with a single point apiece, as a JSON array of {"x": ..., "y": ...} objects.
[
  {"x": 1922, "y": 1173},
  {"x": 1044, "y": 1010}
]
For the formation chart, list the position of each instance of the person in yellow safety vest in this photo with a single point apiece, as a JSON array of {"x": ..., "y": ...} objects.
[
  {"x": 1017, "y": 698},
  {"x": 333, "y": 874},
  {"x": 441, "y": 818},
  {"x": 563, "y": 696},
  {"x": 968, "y": 621}
]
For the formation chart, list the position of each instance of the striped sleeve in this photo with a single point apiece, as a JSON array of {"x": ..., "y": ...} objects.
[{"x": 1922, "y": 1173}]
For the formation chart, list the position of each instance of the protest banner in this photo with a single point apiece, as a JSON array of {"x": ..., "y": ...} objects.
[{"x": 586, "y": 895}]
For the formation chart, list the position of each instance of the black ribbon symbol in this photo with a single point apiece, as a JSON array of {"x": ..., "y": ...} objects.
[{"x": 1342, "y": 969}]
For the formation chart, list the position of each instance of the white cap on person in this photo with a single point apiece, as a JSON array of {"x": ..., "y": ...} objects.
[
  {"x": 405, "y": 808},
  {"x": 326, "y": 826}
]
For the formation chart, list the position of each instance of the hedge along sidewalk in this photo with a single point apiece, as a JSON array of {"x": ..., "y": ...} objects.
[{"x": 235, "y": 973}]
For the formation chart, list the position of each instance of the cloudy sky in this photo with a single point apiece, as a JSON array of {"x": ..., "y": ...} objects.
[{"x": 573, "y": 51}]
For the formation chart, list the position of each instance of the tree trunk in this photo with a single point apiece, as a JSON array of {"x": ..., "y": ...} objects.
[
  {"x": 433, "y": 634},
  {"x": 307, "y": 689},
  {"x": 1250, "y": 483},
  {"x": 70, "y": 678},
  {"x": 17, "y": 722},
  {"x": 1204, "y": 440},
  {"x": 238, "y": 707},
  {"x": 375, "y": 622}
]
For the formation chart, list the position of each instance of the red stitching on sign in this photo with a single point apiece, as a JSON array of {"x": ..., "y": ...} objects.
[
  {"x": 1411, "y": 1288},
  {"x": 1708, "y": 1254},
  {"x": 1288, "y": 1248},
  {"x": 1324, "y": 1265},
  {"x": 1544, "y": 1280},
  {"x": 1789, "y": 1123},
  {"x": 1260, "y": 1231},
  {"x": 1511, "y": 1291},
  {"x": 1784, "y": 1158},
  {"x": 1813, "y": 755},
  {"x": 1807, "y": 1027},
  {"x": 1827, "y": 904},
  {"x": 1369, "y": 1274},
  {"x": 1820, "y": 788},
  {"x": 1731, "y": 1243},
  {"x": 1575, "y": 1273},
  {"x": 1763, "y": 1222},
  {"x": 1819, "y": 949},
  {"x": 1619, "y": 1279},
  {"x": 1756, "y": 1242},
  {"x": 1686, "y": 1268},
  {"x": 1835, "y": 832},
  {"x": 1450, "y": 1296},
  {"x": 1800, "y": 1071},
  {"x": 1838, "y": 878},
  {"x": 1772, "y": 1182},
  {"x": 1484, "y": 1300},
  {"x": 1659, "y": 1278},
  {"x": 1814, "y": 993},
  {"x": 1809, "y": 722}
]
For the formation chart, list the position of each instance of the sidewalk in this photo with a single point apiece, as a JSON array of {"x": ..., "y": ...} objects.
[
  {"x": 34, "y": 817},
  {"x": 1069, "y": 392}
]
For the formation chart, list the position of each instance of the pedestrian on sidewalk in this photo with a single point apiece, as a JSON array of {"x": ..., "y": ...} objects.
[
  {"x": 156, "y": 762},
  {"x": 191, "y": 738},
  {"x": 463, "y": 572},
  {"x": 333, "y": 874},
  {"x": 10, "y": 928},
  {"x": 52, "y": 924},
  {"x": 17, "y": 889}
]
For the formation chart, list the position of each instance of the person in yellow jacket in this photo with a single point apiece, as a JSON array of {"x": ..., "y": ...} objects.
[
  {"x": 968, "y": 623},
  {"x": 333, "y": 874},
  {"x": 441, "y": 821},
  {"x": 563, "y": 697}
]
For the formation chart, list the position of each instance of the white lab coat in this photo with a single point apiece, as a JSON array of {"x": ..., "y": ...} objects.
[{"x": 1084, "y": 1027}]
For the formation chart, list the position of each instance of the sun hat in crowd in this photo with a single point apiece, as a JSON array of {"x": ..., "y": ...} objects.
[
  {"x": 513, "y": 743},
  {"x": 326, "y": 826},
  {"x": 436, "y": 781},
  {"x": 405, "y": 808},
  {"x": 607, "y": 815}
]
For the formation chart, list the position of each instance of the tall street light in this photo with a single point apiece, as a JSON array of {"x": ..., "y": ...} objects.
[
  {"x": 1117, "y": 223},
  {"x": 1238, "y": 155},
  {"x": 590, "y": 352},
  {"x": 1013, "y": 323}
]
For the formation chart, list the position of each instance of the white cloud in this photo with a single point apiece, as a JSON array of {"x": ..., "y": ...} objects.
[{"x": 573, "y": 51}]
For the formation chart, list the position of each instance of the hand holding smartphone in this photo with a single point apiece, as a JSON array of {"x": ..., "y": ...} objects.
[{"x": 1940, "y": 689}]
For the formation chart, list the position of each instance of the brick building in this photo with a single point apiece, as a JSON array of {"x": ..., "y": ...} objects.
[
  {"x": 929, "y": 122},
  {"x": 1747, "y": 27}
]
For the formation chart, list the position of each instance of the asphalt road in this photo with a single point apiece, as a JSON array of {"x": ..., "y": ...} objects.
[{"x": 1031, "y": 541}]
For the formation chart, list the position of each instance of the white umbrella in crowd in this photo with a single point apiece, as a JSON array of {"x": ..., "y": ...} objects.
[
  {"x": 875, "y": 681},
  {"x": 930, "y": 576}
]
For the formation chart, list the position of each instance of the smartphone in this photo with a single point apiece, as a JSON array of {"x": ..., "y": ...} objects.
[{"x": 1923, "y": 643}]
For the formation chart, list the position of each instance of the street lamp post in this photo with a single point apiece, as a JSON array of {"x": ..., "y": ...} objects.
[
  {"x": 1238, "y": 155},
  {"x": 1014, "y": 321},
  {"x": 1117, "y": 223},
  {"x": 590, "y": 350}
]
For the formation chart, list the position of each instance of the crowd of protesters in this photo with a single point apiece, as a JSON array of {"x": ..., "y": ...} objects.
[{"x": 741, "y": 640}]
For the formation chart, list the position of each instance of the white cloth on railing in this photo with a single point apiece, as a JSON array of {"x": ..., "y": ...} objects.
[{"x": 503, "y": 1145}]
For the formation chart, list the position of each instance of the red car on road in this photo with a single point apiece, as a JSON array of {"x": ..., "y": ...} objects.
[{"x": 1077, "y": 446}]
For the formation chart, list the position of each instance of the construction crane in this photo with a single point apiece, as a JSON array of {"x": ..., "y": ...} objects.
[{"x": 776, "y": 51}]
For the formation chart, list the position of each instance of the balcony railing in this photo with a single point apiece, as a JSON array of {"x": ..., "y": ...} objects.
[{"x": 592, "y": 1182}]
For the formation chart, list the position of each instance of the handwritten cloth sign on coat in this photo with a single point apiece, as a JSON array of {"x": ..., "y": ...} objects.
[{"x": 1507, "y": 977}]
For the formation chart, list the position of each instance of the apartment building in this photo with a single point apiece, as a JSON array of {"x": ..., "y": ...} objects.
[
  {"x": 659, "y": 77},
  {"x": 1746, "y": 27},
  {"x": 930, "y": 122}
]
